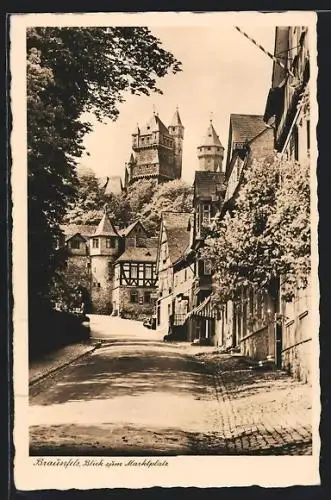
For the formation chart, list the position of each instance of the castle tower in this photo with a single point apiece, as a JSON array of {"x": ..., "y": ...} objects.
[
  {"x": 157, "y": 151},
  {"x": 176, "y": 129},
  {"x": 209, "y": 187},
  {"x": 210, "y": 151},
  {"x": 105, "y": 247}
]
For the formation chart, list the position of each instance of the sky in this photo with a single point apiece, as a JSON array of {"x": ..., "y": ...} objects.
[{"x": 223, "y": 73}]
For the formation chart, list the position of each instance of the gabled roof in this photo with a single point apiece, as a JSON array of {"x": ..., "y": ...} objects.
[
  {"x": 176, "y": 121},
  {"x": 138, "y": 254},
  {"x": 105, "y": 227},
  {"x": 127, "y": 230},
  {"x": 155, "y": 124},
  {"x": 176, "y": 225},
  {"x": 71, "y": 230},
  {"x": 207, "y": 184},
  {"x": 211, "y": 138},
  {"x": 245, "y": 127},
  {"x": 114, "y": 185}
]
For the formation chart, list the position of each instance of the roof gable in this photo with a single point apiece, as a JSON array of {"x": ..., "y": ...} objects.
[
  {"x": 84, "y": 230},
  {"x": 76, "y": 236},
  {"x": 138, "y": 254},
  {"x": 127, "y": 230},
  {"x": 176, "y": 227},
  {"x": 155, "y": 124}
]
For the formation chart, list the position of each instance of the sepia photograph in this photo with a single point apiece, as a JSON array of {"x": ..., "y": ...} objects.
[{"x": 165, "y": 214}]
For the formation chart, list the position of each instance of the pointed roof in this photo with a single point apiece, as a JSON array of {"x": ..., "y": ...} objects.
[
  {"x": 155, "y": 124},
  {"x": 127, "y": 230},
  {"x": 176, "y": 121},
  {"x": 131, "y": 160},
  {"x": 211, "y": 138},
  {"x": 114, "y": 185},
  {"x": 136, "y": 130},
  {"x": 105, "y": 227},
  {"x": 176, "y": 225}
]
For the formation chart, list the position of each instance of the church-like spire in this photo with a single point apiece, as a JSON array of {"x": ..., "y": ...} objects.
[
  {"x": 105, "y": 227},
  {"x": 211, "y": 138},
  {"x": 131, "y": 160},
  {"x": 136, "y": 130},
  {"x": 176, "y": 121}
]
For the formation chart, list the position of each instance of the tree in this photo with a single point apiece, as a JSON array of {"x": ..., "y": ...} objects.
[
  {"x": 89, "y": 202},
  {"x": 71, "y": 71},
  {"x": 140, "y": 194},
  {"x": 268, "y": 233},
  {"x": 174, "y": 196}
]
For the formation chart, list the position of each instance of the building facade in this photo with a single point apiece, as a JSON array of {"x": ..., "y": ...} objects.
[
  {"x": 247, "y": 323},
  {"x": 157, "y": 151},
  {"x": 288, "y": 111},
  {"x": 174, "y": 238},
  {"x": 115, "y": 268},
  {"x": 184, "y": 279}
]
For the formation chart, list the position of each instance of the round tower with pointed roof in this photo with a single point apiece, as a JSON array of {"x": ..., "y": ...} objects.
[
  {"x": 105, "y": 247},
  {"x": 176, "y": 129},
  {"x": 210, "y": 151}
]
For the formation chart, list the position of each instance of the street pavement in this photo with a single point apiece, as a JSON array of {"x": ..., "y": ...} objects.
[{"x": 136, "y": 395}]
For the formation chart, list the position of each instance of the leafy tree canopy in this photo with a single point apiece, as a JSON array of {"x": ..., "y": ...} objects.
[
  {"x": 71, "y": 71},
  {"x": 268, "y": 234}
]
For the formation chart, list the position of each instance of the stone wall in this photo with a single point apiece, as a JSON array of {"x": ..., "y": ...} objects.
[
  {"x": 296, "y": 360},
  {"x": 101, "y": 287},
  {"x": 298, "y": 331},
  {"x": 124, "y": 307},
  {"x": 260, "y": 344}
]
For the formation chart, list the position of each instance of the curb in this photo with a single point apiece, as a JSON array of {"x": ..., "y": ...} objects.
[{"x": 38, "y": 378}]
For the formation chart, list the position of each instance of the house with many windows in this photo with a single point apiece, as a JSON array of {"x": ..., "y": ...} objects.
[
  {"x": 116, "y": 268},
  {"x": 174, "y": 238},
  {"x": 288, "y": 111},
  {"x": 247, "y": 321}
]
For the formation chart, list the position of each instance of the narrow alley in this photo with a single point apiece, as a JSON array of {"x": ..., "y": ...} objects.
[{"x": 137, "y": 396}]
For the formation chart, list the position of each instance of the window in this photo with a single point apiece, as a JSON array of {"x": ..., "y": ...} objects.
[
  {"x": 75, "y": 244},
  {"x": 134, "y": 273},
  {"x": 147, "y": 297},
  {"x": 148, "y": 272},
  {"x": 95, "y": 243},
  {"x": 185, "y": 275},
  {"x": 134, "y": 297},
  {"x": 110, "y": 242},
  {"x": 206, "y": 267},
  {"x": 205, "y": 214}
]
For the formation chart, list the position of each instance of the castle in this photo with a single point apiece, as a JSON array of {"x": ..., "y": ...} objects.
[
  {"x": 117, "y": 267},
  {"x": 157, "y": 151}
]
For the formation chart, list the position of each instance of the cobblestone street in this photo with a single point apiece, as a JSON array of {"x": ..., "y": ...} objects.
[{"x": 136, "y": 395}]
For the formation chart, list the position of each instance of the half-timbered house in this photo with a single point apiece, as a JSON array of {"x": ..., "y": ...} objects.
[{"x": 135, "y": 282}]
